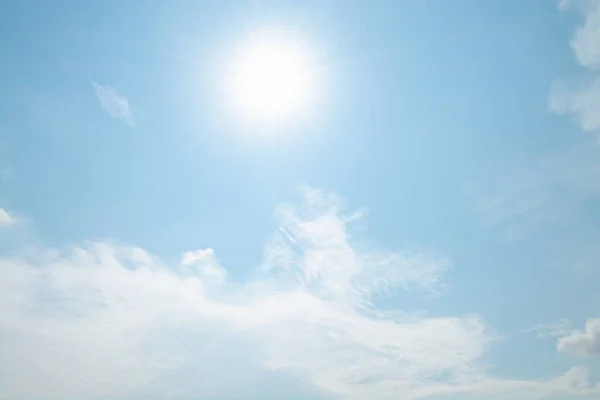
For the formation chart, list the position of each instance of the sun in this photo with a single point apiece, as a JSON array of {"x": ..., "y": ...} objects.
[{"x": 271, "y": 78}]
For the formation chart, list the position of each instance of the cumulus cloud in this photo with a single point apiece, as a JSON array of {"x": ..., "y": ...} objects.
[
  {"x": 584, "y": 342},
  {"x": 113, "y": 103},
  {"x": 101, "y": 321},
  {"x": 5, "y": 218},
  {"x": 583, "y": 101}
]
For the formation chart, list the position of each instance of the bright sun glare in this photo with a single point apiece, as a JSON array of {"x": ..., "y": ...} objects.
[{"x": 271, "y": 79}]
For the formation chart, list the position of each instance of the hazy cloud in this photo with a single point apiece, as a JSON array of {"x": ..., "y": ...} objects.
[
  {"x": 5, "y": 218},
  {"x": 113, "y": 103},
  {"x": 583, "y": 101}
]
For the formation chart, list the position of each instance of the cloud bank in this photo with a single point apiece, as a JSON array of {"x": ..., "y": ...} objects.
[
  {"x": 101, "y": 321},
  {"x": 113, "y": 103}
]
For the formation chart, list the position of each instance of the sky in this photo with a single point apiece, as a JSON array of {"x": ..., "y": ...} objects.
[{"x": 423, "y": 223}]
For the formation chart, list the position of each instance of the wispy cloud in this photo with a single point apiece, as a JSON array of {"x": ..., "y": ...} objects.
[
  {"x": 113, "y": 103},
  {"x": 552, "y": 329},
  {"x": 583, "y": 342},
  {"x": 104, "y": 321},
  {"x": 549, "y": 192},
  {"x": 582, "y": 100}
]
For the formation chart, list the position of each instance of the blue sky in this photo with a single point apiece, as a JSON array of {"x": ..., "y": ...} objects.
[{"x": 428, "y": 228}]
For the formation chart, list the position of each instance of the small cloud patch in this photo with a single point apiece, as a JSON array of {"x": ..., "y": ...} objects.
[{"x": 116, "y": 105}]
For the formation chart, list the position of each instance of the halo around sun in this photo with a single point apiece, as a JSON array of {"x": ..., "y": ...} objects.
[{"x": 270, "y": 78}]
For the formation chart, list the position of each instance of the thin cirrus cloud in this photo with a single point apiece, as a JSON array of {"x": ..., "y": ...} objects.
[
  {"x": 116, "y": 105},
  {"x": 583, "y": 100},
  {"x": 551, "y": 329},
  {"x": 104, "y": 321}
]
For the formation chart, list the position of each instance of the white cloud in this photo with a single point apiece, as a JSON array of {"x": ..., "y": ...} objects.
[
  {"x": 101, "y": 321},
  {"x": 583, "y": 342},
  {"x": 5, "y": 218},
  {"x": 584, "y": 100},
  {"x": 113, "y": 103}
]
